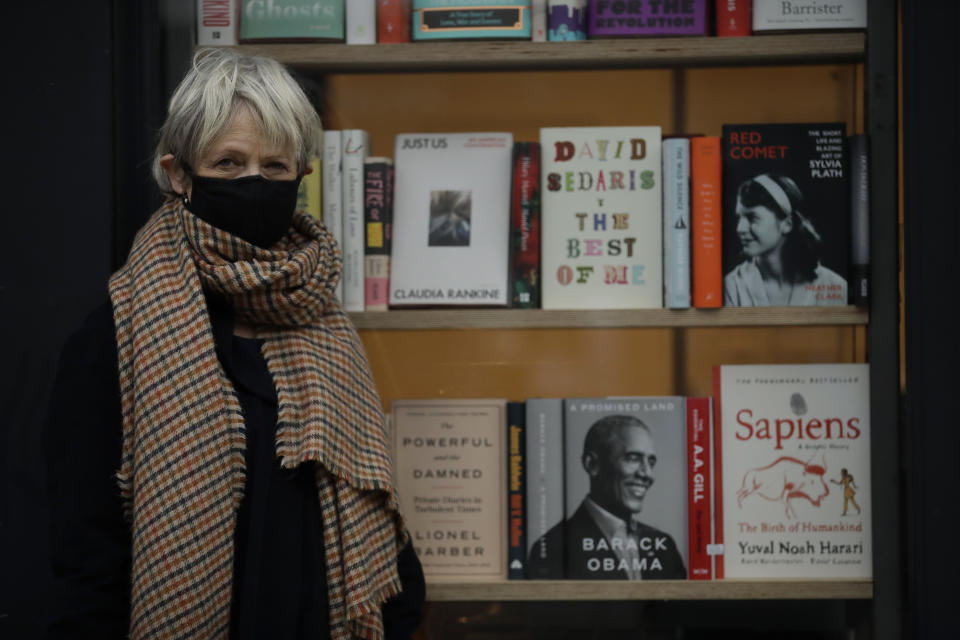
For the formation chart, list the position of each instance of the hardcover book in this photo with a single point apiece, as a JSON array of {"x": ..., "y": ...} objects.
[
  {"x": 356, "y": 143},
  {"x": 450, "y": 473},
  {"x": 860, "y": 219},
  {"x": 333, "y": 191},
  {"x": 216, "y": 22},
  {"x": 471, "y": 19},
  {"x": 544, "y": 426},
  {"x": 566, "y": 20},
  {"x": 361, "y": 21},
  {"x": 292, "y": 21},
  {"x": 793, "y": 455},
  {"x": 393, "y": 21},
  {"x": 626, "y": 488},
  {"x": 700, "y": 496},
  {"x": 705, "y": 214},
  {"x": 733, "y": 18},
  {"x": 516, "y": 490},
  {"x": 806, "y": 15},
  {"x": 451, "y": 219},
  {"x": 308, "y": 193},
  {"x": 676, "y": 223},
  {"x": 525, "y": 227},
  {"x": 786, "y": 214},
  {"x": 601, "y": 216},
  {"x": 378, "y": 231},
  {"x": 538, "y": 20},
  {"x": 615, "y": 18}
]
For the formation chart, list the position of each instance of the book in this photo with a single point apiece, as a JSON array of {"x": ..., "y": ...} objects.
[
  {"x": 538, "y": 20},
  {"x": 626, "y": 495},
  {"x": 516, "y": 490},
  {"x": 776, "y": 15},
  {"x": 700, "y": 496},
  {"x": 291, "y": 21},
  {"x": 786, "y": 214},
  {"x": 356, "y": 145},
  {"x": 525, "y": 227},
  {"x": 733, "y": 18},
  {"x": 333, "y": 191},
  {"x": 706, "y": 240},
  {"x": 601, "y": 218},
  {"x": 308, "y": 193},
  {"x": 546, "y": 559},
  {"x": 566, "y": 20},
  {"x": 378, "y": 219},
  {"x": 859, "y": 219},
  {"x": 216, "y": 22},
  {"x": 793, "y": 470},
  {"x": 471, "y": 19},
  {"x": 393, "y": 21},
  {"x": 616, "y": 18},
  {"x": 450, "y": 474},
  {"x": 451, "y": 219},
  {"x": 676, "y": 223},
  {"x": 361, "y": 21}
]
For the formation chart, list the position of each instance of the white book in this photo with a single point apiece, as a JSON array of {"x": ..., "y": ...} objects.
[
  {"x": 776, "y": 15},
  {"x": 451, "y": 219},
  {"x": 216, "y": 22},
  {"x": 538, "y": 20},
  {"x": 676, "y": 223},
  {"x": 601, "y": 220},
  {"x": 361, "y": 21},
  {"x": 356, "y": 146},
  {"x": 333, "y": 191}
]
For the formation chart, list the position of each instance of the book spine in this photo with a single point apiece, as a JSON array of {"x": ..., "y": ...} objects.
[
  {"x": 308, "y": 194},
  {"x": 538, "y": 20},
  {"x": 355, "y": 145},
  {"x": 676, "y": 223},
  {"x": 706, "y": 207},
  {"x": 718, "y": 571},
  {"x": 733, "y": 18},
  {"x": 216, "y": 22},
  {"x": 545, "y": 486},
  {"x": 393, "y": 21},
  {"x": 333, "y": 191},
  {"x": 516, "y": 491},
  {"x": 566, "y": 20},
  {"x": 376, "y": 267},
  {"x": 361, "y": 21},
  {"x": 525, "y": 227},
  {"x": 699, "y": 485},
  {"x": 859, "y": 219}
]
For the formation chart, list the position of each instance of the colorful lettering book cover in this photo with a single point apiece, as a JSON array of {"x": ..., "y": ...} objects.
[
  {"x": 292, "y": 20},
  {"x": 619, "y": 18},
  {"x": 793, "y": 452},
  {"x": 471, "y": 19},
  {"x": 601, "y": 216},
  {"x": 378, "y": 231}
]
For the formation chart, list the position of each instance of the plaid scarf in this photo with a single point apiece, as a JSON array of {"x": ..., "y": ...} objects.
[{"x": 182, "y": 473}]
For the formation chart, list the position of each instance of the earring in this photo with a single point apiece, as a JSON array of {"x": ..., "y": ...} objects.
[{"x": 184, "y": 199}]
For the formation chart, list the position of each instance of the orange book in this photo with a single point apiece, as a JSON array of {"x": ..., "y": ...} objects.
[
  {"x": 393, "y": 21},
  {"x": 706, "y": 209}
]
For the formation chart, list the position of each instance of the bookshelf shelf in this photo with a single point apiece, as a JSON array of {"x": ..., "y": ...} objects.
[
  {"x": 606, "y": 54},
  {"x": 540, "y": 590}
]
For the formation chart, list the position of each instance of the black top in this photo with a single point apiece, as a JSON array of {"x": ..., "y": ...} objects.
[{"x": 279, "y": 586}]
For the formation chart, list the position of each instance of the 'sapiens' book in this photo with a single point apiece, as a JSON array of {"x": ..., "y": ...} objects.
[
  {"x": 860, "y": 219},
  {"x": 393, "y": 21},
  {"x": 356, "y": 145},
  {"x": 809, "y": 15},
  {"x": 525, "y": 227},
  {"x": 676, "y": 223},
  {"x": 516, "y": 490},
  {"x": 471, "y": 19},
  {"x": 566, "y": 20},
  {"x": 292, "y": 21},
  {"x": 601, "y": 216},
  {"x": 733, "y": 18},
  {"x": 615, "y": 18},
  {"x": 793, "y": 459},
  {"x": 546, "y": 558},
  {"x": 451, "y": 219},
  {"x": 333, "y": 191},
  {"x": 378, "y": 218},
  {"x": 626, "y": 488},
  {"x": 700, "y": 495},
  {"x": 786, "y": 214},
  {"x": 361, "y": 21},
  {"x": 216, "y": 22},
  {"x": 705, "y": 213},
  {"x": 308, "y": 193},
  {"x": 450, "y": 473}
]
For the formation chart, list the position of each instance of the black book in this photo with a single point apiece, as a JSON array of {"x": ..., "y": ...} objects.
[{"x": 516, "y": 491}]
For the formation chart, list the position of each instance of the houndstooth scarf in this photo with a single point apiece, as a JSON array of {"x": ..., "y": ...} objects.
[{"x": 182, "y": 473}]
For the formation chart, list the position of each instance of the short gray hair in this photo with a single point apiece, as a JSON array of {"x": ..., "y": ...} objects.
[{"x": 221, "y": 81}]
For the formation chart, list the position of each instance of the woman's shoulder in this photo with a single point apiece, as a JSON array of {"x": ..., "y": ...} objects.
[{"x": 825, "y": 275}]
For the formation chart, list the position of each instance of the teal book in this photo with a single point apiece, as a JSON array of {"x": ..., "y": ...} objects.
[
  {"x": 292, "y": 20},
  {"x": 471, "y": 19}
]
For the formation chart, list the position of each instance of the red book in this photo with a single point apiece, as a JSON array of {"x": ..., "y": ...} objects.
[
  {"x": 733, "y": 18},
  {"x": 699, "y": 488},
  {"x": 525, "y": 227},
  {"x": 393, "y": 21},
  {"x": 705, "y": 210}
]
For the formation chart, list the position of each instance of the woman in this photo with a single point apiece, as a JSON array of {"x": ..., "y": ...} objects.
[
  {"x": 216, "y": 450},
  {"x": 782, "y": 250}
]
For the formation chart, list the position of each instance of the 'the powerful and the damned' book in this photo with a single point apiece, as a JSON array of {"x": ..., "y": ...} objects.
[
  {"x": 793, "y": 488},
  {"x": 786, "y": 224},
  {"x": 451, "y": 219},
  {"x": 450, "y": 473},
  {"x": 545, "y": 488},
  {"x": 601, "y": 218}
]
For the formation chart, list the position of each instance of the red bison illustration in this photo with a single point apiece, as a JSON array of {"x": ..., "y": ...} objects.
[{"x": 785, "y": 479}]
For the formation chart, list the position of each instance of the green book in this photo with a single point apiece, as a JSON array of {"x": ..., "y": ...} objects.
[{"x": 289, "y": 20}]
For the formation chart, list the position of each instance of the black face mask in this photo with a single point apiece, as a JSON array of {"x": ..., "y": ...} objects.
[{"x": 251, "y": 208}]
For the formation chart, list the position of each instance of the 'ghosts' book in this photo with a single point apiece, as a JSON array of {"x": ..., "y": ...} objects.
[{"x": 793, "y": 490}]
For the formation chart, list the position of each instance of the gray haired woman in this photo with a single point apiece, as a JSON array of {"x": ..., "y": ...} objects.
[{"x": 217, "y": 460}]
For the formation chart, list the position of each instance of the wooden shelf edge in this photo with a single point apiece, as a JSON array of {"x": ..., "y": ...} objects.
[
  {"x": 800, "y": 48},
  {"x": 438, "y": 319},
  {"x": 540, "y": 590}
]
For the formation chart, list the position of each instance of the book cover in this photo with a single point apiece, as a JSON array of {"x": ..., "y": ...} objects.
[
  {"x": 860, "y": 219},
  {"x": 616, "y": 18},
  {"x": 516, "y": 490},
  {"x": 776, "y": 15},
  {"x": 733, "y": 18},
  {"x": 546, "y": 558},
  {"x": 700, "y": 496},
  {"x": 786, "y": 214},
  {"x": 450, "y": 473},
  {"x": 377, "y": 201},
  {"x": 308, "y": 193},
  {"x": 705, "y": 213},
  {"x": 356, "y": 145},
  {"x": 361, "y": 21},
  {"x": 393, "y": 21},
  {"x": 566, "y": 20},
  {"x": 601, "y": 218},
  {"x": 793, "y": 462},
  {"x": 676, "y": 223},
  {"x": 451, "y": 219},
  {"x": 333, "y": 191},
  {"x": 216, "y": 22},
  {"x": 626, "y": 488},
  {"x": 292, "y": 21},
  {"x": 525, "y": 227},
  {"x": 538, "y": 20},
  {"x": 471, "y": 19}
]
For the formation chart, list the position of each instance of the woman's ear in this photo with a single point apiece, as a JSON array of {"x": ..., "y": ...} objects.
[
  {"x": 178, "y": 178},
  {"x": 786, "y": 225}
]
